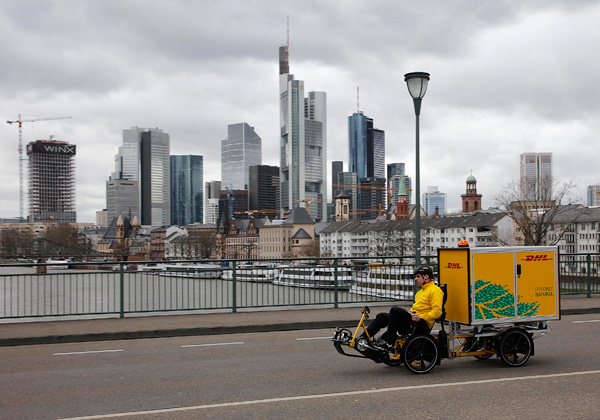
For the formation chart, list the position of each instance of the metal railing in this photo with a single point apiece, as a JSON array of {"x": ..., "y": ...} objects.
[{"x": 110, "y": 288}]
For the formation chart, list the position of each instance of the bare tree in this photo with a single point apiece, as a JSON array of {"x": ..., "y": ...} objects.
[
  {"x": 200, "y": 244},
  {"x": 535, "y": 214}
]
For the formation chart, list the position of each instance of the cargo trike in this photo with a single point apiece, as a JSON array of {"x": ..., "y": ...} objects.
[{"x": 497, "y": 301}]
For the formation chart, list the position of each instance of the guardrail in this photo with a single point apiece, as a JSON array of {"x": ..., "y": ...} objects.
[{"x": 111, "y": 288}]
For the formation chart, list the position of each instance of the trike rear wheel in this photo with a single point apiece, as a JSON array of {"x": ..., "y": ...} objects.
[
  {"x": 420, "y": 354},
  {"x": 515, "y": 347}
]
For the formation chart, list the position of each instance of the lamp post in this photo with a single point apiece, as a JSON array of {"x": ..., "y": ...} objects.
[{"x": 417, "y": 87}]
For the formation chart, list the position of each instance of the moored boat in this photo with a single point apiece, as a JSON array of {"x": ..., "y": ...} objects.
[
  {"x": 386, "y": 282},
  {"x": 315, "y": 276}
]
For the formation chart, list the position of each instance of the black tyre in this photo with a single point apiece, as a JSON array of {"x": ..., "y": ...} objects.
[
  {"x": 420, "y": 354},
  {"x": 515, "y": 347}
]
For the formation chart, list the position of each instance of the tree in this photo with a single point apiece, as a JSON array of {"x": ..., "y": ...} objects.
[
  {"x": 198, "y": 244},
  {"x": 534, "y": 214},
  {"x": 11, "y": 240}
]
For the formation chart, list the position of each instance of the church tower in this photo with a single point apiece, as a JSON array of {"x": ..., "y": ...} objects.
[
  {"x": 402, "y": 203},
  {"x": 471, "y": 201}
]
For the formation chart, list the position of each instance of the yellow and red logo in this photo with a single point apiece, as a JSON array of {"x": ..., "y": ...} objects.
[
  {"x": 453, "y": 265},
  {"x": 537, "y": 257}
]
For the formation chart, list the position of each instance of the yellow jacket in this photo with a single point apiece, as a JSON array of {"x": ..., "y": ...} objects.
[{"x": 428, "y": 303}]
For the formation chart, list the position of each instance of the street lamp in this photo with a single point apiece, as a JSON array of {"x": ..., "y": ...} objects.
[{"x": 417, "y": 86}]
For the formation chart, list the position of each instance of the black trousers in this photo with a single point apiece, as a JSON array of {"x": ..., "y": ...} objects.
[{"x": 398, "y": 322}]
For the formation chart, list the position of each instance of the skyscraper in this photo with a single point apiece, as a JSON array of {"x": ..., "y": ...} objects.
[
  {"x": 536, "y": 177},
  {"x": 303, "y": 143},
  {"x": 395, "y": 169},
  {"x": 187, "y": 196},
  {"x": 357, "y": 144},
  {"x": 122, "y": 197},
  {"x": 349, "y": 178},
  {"x": 241, "y": 149},
  {"x": 372, "y": 197},
  {"x": 263, "y": 191},
  {"x": 337, "y": 166},
  {"x": 366, "y": 146},
  {"x": 144, "y": 157},
  {"x": 593, "y": 195},
  {"x": 51, "y": 181},
  {"x": 434, "y": 202}
]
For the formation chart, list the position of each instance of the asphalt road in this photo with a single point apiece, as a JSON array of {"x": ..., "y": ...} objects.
[{"x": 294, "y": 375}]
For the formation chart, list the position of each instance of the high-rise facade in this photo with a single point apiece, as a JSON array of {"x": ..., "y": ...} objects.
[
  {"x": 366, "y": 146},
  {"x": 337, "y": 166},
  {"x": 122, "y": 197},
  {"x": 434, "y": 202},
  {"x": 375, "y": 151},
  {"x": 241, "y": 149},
  {"x": 187, "y": 185},
  {"x": 263, "y": 190},
  {"x": 397, "y": 168},
  {"x": 144, "y": 157},
  {"x": 303, "y": 143},
  {"x": 357, "y": 144},
  {"x": 536, "y": 177},
  {"x": 349, "y": 178},
  {"x": 372, "y": 198},
  {"x": 593, "y": 195},
  {"x": 51, "y": 181}
]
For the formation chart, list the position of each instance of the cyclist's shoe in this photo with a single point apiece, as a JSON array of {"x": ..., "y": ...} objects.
[{"x": 384, "y": 345}]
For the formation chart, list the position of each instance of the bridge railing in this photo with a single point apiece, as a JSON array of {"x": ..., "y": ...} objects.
[{"x": 30, "y": 290}]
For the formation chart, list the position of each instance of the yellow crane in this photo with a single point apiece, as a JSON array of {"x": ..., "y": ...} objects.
[{"x": 20, "y": 121}]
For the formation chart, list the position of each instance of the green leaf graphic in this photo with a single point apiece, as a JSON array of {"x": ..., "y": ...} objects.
[{"x": 494, "y": 301}]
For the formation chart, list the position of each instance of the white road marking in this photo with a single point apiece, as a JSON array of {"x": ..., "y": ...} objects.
[
  {"x": 332, "y": 395},
  {"x": 86, "y": 352},
  {"x": 313, "y": 338},
  {"x": 591, "y": 320},
  {"x": 216, "y": 344}
]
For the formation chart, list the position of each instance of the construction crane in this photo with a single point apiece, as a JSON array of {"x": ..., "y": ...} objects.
[
  {"x": 365, "y": 187},
  {"x": 307, "y": 201},
  {"x": 20, "y": 121}
]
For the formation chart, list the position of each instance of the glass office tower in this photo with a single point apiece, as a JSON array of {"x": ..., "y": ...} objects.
[
  {"x": 434, "y": 202},
  {"x": 187, "y": 192},
  {"x": 144, "y": 157},
  {"x": 536, "y": 176},
  {"x": 303, "y": 143},
  {"x": 241, "y": 149}
]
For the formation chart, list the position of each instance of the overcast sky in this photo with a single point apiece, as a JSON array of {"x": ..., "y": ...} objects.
[{"x": 507, "y": 77}]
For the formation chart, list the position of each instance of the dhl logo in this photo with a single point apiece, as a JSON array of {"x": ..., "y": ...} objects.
[
  {"x": 453, "y": 265},
  {"x": 538, "y": 257}
]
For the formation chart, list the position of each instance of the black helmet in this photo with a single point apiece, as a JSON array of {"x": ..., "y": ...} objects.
[{"x": 424, "y": 269}]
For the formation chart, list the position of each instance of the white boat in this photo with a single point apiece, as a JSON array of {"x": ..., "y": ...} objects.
[
  {"x": 315, "y": 277},
  {"x": 386, "y": 282},
  {"x": 196, "y": 271},
  {"x": 58, "y": 264},
  {"x": 259, "y": 273}
]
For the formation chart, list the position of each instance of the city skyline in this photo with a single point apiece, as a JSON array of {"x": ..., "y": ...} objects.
[{"x": 479, "y": 112}]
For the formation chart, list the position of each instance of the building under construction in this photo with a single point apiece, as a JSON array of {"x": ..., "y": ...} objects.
[{"x": 51, "y": 181}]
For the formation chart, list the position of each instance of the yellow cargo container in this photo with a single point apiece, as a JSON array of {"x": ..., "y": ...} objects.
[{"x": 500, "y": 284}]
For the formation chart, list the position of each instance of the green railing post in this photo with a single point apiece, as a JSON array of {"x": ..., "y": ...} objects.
[
  {"x": 589, "y": 275},
  {"x": 234, "y": 286},
  {"x": 122, "y": 290},
  {"x": 335, "y": 284}
]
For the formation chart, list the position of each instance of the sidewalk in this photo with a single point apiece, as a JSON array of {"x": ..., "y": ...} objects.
[{"x": 213, "y": 323}]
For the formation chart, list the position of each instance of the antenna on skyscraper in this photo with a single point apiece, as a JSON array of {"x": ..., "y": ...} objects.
[
  {"x": 287, "y": 44},
  {"x": 357, "y": 101}
]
